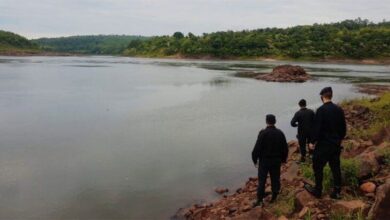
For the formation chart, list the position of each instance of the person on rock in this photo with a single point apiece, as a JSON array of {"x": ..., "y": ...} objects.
[
  {"x": 269, "y": 152},
  {"x": 303, "y": 119},
  {"x": 329, "y": 129}
]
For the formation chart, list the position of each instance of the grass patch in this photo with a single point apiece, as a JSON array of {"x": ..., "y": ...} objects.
[
  {"x": 349, "y": 171},
  {"x": 308, "y": 215},
  {"x": 380, "y": 109},
  {"x": 347, "y": 216},
  {"x": 285, "y": 203},
  {"x": 385, "y": 153}
]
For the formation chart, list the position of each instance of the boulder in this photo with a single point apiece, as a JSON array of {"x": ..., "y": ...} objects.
[
  {"x": 282, "y": 218},
  {"x": 303, "y": 212},
  {"x": 293, "y": 148},
  {"x": 321, "y": 216},
  {"x": 221, "y": 190},
  {"x": 380, "y": 209},
  {"x": 352, "y": 206},
  {"x": 381, "y": 136},
  {"x": 181, "y": 214},
  {"x": 199, "y": 214},
  {"x": 368, "y": 187},
  {"x": 286, "y": 73},
  {"x": 291, "y": 173},
  {"x": 302, "y": 198},
  {"x": 368, "y": 165},
  {"x": 246, "y": 208},
  {"x": 254, "y": 214}
]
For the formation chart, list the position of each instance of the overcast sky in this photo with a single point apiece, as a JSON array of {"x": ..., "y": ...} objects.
[{"x": 50, "y": 18}]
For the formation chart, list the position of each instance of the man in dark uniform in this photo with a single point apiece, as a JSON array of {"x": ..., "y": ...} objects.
[
  {"x": 329, "y": 129},
  {"x": 303, "y": 119},
  {"x": 269, "y": 153}
]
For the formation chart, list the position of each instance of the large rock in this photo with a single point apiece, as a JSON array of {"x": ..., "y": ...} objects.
[
  {"x": 380, "y": 210},
  {"x": 303, "y": 212},
  {"x": 254, "y": 214},
  {"x": 293, "y": 148},
  {"x": 286, "y": 73},
  {"x": 282, "y": 218},
  {"x": 352, "y": 206},
  {"x": 291, "y": 172},
  {"x": 368, "y": 187},
  {"x": 302, "y": 199},
  {"x": 368, "y": 165},
  {"x": 221, "y": 190},
  {"x": 382, "y": 135}
]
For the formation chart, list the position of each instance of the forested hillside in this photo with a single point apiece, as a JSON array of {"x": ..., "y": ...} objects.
[
  {"x": 92, "y": 44},
  {"x": 356, "y": 39},
  {"x": 13, "y": 43}
]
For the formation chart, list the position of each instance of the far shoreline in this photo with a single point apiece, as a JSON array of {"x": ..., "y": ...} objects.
[{"x": 381, "y": 61}]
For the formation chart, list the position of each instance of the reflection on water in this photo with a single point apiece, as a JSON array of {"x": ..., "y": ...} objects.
[{"x": 138, "y": 138}]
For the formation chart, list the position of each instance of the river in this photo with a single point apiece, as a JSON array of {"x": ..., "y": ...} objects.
[{"x": 130, "y": 138}]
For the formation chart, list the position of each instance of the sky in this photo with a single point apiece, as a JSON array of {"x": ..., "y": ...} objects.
[{"x": 54, "y": 18}]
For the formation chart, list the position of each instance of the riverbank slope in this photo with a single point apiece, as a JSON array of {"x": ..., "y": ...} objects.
[{"x": 365, "y": 168}]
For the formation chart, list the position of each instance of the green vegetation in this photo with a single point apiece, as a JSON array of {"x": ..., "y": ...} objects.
[
  {"x": 387, "y": 157},
  {"x": 308, "y": 216},
  {"x": 13, "y": 43},
  {"x": 285, "y": 204},
  {"x": 93, "y": 44},
  {"x": 349, "y": 171},
  {"x": 385, "y": 153},
  {"x": 380, "y": 109},
  {"x": 354, "y": 39},
  {"x": 347, "y": 216}
]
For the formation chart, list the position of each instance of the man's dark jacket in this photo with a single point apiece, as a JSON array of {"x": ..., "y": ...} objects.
[
  {"x": 329, "y": 125},
  {"x": 303, "y": 119},
  {"x": 271, "y": 144}
]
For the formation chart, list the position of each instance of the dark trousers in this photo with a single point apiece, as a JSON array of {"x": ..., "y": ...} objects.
[
  {"x": 271, "y": 166},
  {"x": 303, "y": 141},
  {"x": 327, "y": 153}
]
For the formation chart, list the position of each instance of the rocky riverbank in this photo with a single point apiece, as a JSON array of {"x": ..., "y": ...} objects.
[{"x": 365, "y": 169}]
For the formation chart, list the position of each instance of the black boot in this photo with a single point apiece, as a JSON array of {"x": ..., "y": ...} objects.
[
  {"x": 312, "y": 190},
  {"x": 336, "y": 193},
  {"x": 259, "y": 202},
  {"x": 274, "y": 197}
]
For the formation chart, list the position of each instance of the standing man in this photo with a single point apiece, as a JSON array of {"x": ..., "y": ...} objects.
[
  {"x": 329, "y": 129},
  {"x": 269, "y": 153},
  {"x": 303, "y": 119}
]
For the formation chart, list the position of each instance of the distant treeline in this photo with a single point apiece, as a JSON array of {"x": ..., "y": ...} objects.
[
  {"x": 347, "y": 39},
  {"x": 13, "y": 42},
  {"x": 356, "y": 39},
  {"x": 90, "y": 44}
]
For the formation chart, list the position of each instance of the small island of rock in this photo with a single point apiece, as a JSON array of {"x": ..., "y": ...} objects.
[{"x": 285, "y": 73}]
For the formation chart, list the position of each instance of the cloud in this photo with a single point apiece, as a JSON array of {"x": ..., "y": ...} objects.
[{"x": 37, "y": 18}]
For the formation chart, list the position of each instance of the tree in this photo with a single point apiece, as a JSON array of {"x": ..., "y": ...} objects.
[{"x": 178, "y": 35}]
